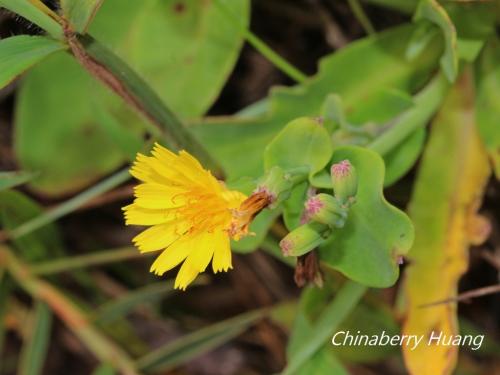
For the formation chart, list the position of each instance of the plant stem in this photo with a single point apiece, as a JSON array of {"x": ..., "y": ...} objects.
[
  {"x": 70, "y": 205},
  {"x": 263, "y": 48},
  {"x": 344, "y": 302},
  {"x": 87, "y": 260},
  {"x": 274, "y": 58},
  {"x": 72, "y": 316},
  {"x": 114, "y": 73},
  {"x": 361, "y": 16},
  {"x": 426, "y": 104}
]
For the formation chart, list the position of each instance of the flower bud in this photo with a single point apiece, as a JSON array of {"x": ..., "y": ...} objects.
[
  {"x": 344, "y": 181},
  {"x": 325, "y": 209},
  {"x": 303, "y": 239},
  {"x": 278, "y": 183}
]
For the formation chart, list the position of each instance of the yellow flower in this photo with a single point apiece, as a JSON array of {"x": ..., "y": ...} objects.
[{"x": 192, "y": 215}]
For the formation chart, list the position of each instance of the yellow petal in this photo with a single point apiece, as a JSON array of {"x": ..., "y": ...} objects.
[
  {"x": 156, "y": 196},
  {"x": 160, "y": 236},
  {"x": 222, "y": 252},
  {"x": 143, "y": 170},
  {"x": 171, "y": 256},
  {"x": 135, "y": 215},
  {"x": 186, "y": 275}
]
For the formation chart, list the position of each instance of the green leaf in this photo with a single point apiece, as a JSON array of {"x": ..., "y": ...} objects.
[
  {"x": 35, "y": 348},
  {"x": 293, "y": 206},
  {"x": 402, "y": 158},
  {"x": 194, "y": 344},
  {"x": 44, "y": 243},
  {"x": 376, "y": 233},
  {"x": 67, "y": 109},
  {"x": 36, "y": 12},
  {"x": 78, "y": 113},
  {"x": 303, "y": 142},
  {"x": 430, "y": 10},
  {"x": 80, "y": 13},
  {"x": 184, "y": 49},
  {"x": 238, "y": 143},
  {"x": 474, "y": 24},
  {"x": 488, "y": 99},
  {"x": 18, "y": 53},
  {"x": 9, "y": 180}
]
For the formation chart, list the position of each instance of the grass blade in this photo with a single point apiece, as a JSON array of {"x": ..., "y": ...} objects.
[
  {"x": 10, "y": 180},
  {"x": 86, "y": 260},
  {"x": 116, "y": 308},
  {"x": 35, "y": 349},
  {"x": 344, "y": 302},
  {"x": 100, "y": 345},
  {"x": 196, "y": 343},
  {"x": 36, "y": 12},
  {"x": 70, "y": 205}
]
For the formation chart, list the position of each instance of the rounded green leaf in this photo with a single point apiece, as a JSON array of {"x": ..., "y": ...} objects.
[
  {"x": 304, "y": 142},
  {"x": 185, "y": 49},
  {"x": 376, "y": 233}
]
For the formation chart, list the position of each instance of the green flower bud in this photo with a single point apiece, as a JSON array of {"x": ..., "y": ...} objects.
[
  {"x": 277, "y": 183},
  {"x": 325, "y": 209},
  {"x": 303, "y": 239},
  {"x": 344, "y": 181}
]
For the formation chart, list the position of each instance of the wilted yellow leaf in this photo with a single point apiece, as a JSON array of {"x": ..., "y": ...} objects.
[{"x": 444, "y": 206}]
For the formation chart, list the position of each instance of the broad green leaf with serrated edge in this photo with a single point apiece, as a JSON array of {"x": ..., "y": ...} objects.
[
  {"x": 80, "y": 13},
  {"x": 35, "y": 348},
  {"x": 238, "y": 143},
  {"x": 376, "y": 233},
  {"x": 44, "y": 243},
  {"x": 488, "y": 101},
  {"x": 18, "y": 53}
]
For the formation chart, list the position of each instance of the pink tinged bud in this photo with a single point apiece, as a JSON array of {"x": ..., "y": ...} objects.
[
  {"x": 325, "y": 209},
  {"x": 344, "y": 181},
  {"x": 303, "y": 239},
  {"x": 286, "y": 246}
]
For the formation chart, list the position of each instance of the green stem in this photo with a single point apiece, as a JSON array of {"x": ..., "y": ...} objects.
[
  {"x": 426, "y": 104},
  {"x": 87, "y": 260},
  {"x": 263, "y": 48},
  {"x": 70, "y": 205},
  {"x": 103, "y": 348},
  {"x": 274, "y": 58},
  {"x": 332, "y": 316},
  {"x": 361, "y": 16}
]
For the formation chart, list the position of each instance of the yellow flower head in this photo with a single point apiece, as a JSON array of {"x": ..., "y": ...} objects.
[{"x": 192, "y": 215}]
